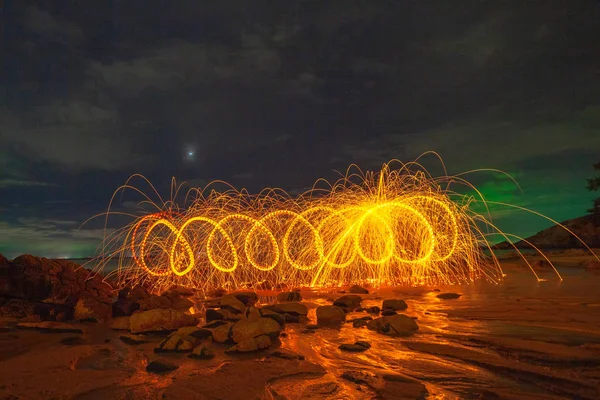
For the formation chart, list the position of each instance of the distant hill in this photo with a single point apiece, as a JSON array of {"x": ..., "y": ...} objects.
[{"x": 556, "y": 237}]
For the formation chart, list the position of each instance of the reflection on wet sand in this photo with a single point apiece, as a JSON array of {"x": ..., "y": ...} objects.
[{"x": 520, "y": 339}]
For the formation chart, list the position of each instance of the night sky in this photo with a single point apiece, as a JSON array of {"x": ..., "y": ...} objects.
[{"x": 279, "y": 93}]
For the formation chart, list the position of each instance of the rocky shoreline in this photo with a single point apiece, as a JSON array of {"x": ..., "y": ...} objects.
[
  {"x": 58, "y": 296},
  {"x": 66, "y": 334}
]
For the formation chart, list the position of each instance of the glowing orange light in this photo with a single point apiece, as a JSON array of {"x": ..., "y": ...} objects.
[{"x": 394, "y": 227}]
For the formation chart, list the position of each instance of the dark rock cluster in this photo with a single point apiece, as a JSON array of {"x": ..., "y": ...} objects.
[{"x": 41, "y": 289}]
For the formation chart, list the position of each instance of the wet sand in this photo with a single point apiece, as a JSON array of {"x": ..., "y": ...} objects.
[{"x": 520, "y": 339}]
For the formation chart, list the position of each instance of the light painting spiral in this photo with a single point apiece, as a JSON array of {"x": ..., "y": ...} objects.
[{"x": 397, "y": 226}]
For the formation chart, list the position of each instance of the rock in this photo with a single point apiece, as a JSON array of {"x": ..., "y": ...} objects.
[
  {"x": 388, "y": 311},
  {"x": 202, "y": 352},
  {"x": 134, "y": 339},
  {"x": 182, "y": 304},
  {"x": 289, "y": 296},
  {"x": 358, "y": 289},
  {"x": 373, "y": 310},
  {"x": 232, "y": 304},
  {"x": 52, "y": 286},
  {"x": 73, "y": 341},
  {"x": 160, "y": 366},
  {"x": 119, "y": 323},
  {"x": 160, "y": 320},
  {"x": 448, "y": 296},
  {"x": 248, "y": 298},
  {"x": 291, "y": 318},
  {"x": 87, "y": 309},
  {"x": 222, "y": 315},
  {"x": 176, "y": 343},
  {"x": 292, "y": 308},
  {"x": 223, "y": 333},
  {"x": 394, "y": 325},
  {"x": 363, "y": 344},
  {"x": 128, "y": 300},
  {"x": 212, "y": 303},
  {"x": 356, "y": 347},
  {"x": 50, "y": 327},
  {"x": 182, "y": 290},
  {"x": 154, "y": 302},
  {"x": 348, "y": 302},
  {"x": 124, "y": 307},
  {"x": 17, "y": 308},
  {"x": 214, "y": 324},
  {"x": 253, "y": 312},
  {"x": 218, "y": 292},
  {"x": 359, "y": 323},
  {"x": 251, "y": 328},
  {"x": 330, "y": 315},
  {"x": 194, "y": 332},
  {"x": 366, "y": 318},
  {"x": 252, "y": 344},
  {"x": 394, "y": 304},
  {"x": 134, "y": 294},
  {"x": 286, "y": 355}
]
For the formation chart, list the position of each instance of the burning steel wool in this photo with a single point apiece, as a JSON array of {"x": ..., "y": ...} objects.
[{"x": 399, "y": 226}]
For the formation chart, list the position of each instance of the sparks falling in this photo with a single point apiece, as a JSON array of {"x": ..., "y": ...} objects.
[{"x": 397, "y": 226}]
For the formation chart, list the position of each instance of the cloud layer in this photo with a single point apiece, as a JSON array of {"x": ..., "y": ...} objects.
[{"x": 280, "y": 94}]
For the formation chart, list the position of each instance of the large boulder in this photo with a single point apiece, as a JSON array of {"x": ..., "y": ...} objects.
[
  {"x": 356, "y": 289},
  {"x": 348, "y": 302},
  {"x": 231, "y": 303},
  {"x": 128, "y": 300},
  {"x": 394, "y": 325},
  {"x": 327, "y": 315},
  {"x": 88, "y": 309},
  {"x": 394, "y": 304},
  {"x": 54, "y": 281},
  {"x": 222, "y": 315},
  {"x": 160, "y": 320},
  {"x": 223, "y": 333},
  {"x": 54, "y": 287},
  {"x": 251, "y": 328},
  {"x": 154, "y": 302}
]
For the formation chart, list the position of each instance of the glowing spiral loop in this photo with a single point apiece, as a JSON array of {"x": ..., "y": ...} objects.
[
  {"x": 398, "y": 226},
  {"x": 351, "y": 234}
]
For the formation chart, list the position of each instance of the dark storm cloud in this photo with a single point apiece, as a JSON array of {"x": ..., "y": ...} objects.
[{"x": 278, "y": 93}]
